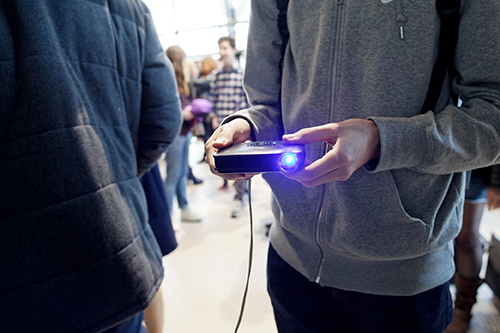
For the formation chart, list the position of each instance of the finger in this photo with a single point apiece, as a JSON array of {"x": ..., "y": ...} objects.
[
  {"x": 335, "y": 175},
  {"x": 326, "y": 132},
  {"x": 330, "y": 162}
]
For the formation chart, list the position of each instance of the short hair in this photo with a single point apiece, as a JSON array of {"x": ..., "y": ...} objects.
[
  {"x": 230, "y": 39},
  {"x": 207, "y": 65}
]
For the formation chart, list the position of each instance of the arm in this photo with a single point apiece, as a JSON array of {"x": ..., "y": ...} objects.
[
  {"x": 455, "y": 139},
  {"x": 262, "y": 79},
  {"x": 161, "y": 118}
]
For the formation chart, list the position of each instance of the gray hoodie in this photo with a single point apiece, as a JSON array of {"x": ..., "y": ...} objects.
[{"x": 388, "y": 229}]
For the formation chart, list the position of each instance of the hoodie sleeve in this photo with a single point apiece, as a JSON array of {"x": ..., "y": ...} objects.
[
  {"x": 456, "y": 138},
  {"x": 262, "y": 78},
  {"x": 161, "y": 117}
]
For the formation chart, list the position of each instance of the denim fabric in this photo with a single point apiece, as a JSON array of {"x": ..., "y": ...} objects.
[
  {"x": 158, "y": 209},
  {"x": 476, "y": 192},
  {"x": 132, "y": 325},
  {"x": 177, "y": 167},
  {"x": 302, "y": 306}
]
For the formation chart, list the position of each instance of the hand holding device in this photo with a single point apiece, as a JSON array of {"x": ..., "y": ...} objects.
[
  {"x": 236, "y": 131},
  {"x": 260, "y": 156},
  {"x": 353, "y": 143}
]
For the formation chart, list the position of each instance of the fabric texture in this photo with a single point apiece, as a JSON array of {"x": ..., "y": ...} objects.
[
  {"x": 388, "y": 229},
  {"x": 302, "y": 306},
  {"x": 89, "y": 103}
]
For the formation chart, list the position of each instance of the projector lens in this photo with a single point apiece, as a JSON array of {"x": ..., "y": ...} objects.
[{"x": 288, "y": 162}]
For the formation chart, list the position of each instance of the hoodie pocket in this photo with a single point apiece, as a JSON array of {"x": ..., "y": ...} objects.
[{"x": 374, "y": 225}]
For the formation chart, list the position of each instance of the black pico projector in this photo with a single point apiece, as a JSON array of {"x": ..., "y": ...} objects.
[{"x": 259, "y": 156}]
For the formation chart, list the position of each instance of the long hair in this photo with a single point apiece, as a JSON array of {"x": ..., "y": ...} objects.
[{"x": 177, "y": 57}]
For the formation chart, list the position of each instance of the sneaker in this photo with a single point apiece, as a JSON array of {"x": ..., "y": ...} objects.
[
  {"x": 238, "y": 206},
  {"x": 188, "y": 216}
]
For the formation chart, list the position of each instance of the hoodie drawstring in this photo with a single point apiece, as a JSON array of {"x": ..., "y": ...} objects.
[{"x": 401, "y": 19}]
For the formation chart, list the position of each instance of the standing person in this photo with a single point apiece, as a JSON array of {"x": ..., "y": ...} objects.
[
  {"x": 483, "y": 191},
  {"x": 177, "y": 156},
  {"x": 228, "y": 97},
  {"x": 161, "y": 224},
  {"x": 82, "y": 117},
  {"x": 363, "y": 234},
  {"x": 202, "y": 85}
]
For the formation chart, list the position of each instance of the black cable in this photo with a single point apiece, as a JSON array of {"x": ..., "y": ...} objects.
[{"x": 250, "y": 257}]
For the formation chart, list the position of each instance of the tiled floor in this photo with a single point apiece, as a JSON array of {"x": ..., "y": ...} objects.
[{"x": 205, "y": 276}]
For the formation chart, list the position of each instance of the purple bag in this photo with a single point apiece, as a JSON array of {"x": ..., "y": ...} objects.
[{"x": 201, "y": 107}]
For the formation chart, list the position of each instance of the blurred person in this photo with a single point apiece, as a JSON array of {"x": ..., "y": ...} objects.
[
  {"x": 228, "y": 97},
  {"x": 89, "y": 103},
  {"x": 177, "y": 156},
  {"x": 362, "y": 239},
  {"x": 483, "y": 191},
  {"x": 207, "y": 71},
  {"x": 161, "y": 224},
  {"x": 208, "y": 67}
]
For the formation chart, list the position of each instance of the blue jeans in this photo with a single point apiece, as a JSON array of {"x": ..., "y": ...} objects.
[
  {"x": 132, "y": 325},
  {"x": 301, "y": 306},
  {"x": 177, "y": 167},
  {"x": 476, "y": 192}
]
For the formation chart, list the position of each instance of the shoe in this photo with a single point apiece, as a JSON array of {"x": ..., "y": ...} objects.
[
  {"x": 195, "y": 181},
  {"x": 188, "y": 216},
  {"x": 268, "y": 228},
  {"x": 191, "y": 177},
  {"x": 238, "y": 206},
  {"x": 224, "y": 186},
  {"x": 465, "y": 299}
]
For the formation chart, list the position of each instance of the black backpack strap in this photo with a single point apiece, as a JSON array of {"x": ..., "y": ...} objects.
[
  {"x": 449, "y": 13},
  {"x": 283, "y": 27}
]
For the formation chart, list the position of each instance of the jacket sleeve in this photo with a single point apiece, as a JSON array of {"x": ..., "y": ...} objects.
[
  {"x": 161, "y": 117},
  {"x": 456, "y": 138},
  {"x": 262, "y": 78}
]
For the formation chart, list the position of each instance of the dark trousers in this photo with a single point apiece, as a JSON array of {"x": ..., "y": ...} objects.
[{"x": 301, "y": 306}]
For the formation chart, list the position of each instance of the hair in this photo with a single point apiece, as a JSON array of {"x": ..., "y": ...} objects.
[
  {"x": 177, "y": 56},
  {"x": 207, "y": 66},
  {"x": 229, "y": 39}
]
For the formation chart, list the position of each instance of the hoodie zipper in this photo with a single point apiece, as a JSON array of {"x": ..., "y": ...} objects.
[{"x": 340, "y": 10}]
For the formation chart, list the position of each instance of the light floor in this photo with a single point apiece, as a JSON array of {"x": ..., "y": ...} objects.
[{"x": 205, "y": 276}]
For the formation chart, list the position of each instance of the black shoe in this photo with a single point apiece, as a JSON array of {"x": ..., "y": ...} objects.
[{"x": 195, "y": 180}]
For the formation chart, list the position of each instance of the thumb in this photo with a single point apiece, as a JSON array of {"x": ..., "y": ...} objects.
[{"x": 311, "y": 134}]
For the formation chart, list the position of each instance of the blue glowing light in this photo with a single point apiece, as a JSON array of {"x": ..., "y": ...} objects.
[
  {"x": 288, "y": 162},
  {"x": 289, "y": 159}
]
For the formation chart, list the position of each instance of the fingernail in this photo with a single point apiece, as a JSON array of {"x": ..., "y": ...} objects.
[{"x": 221, "y": 141}]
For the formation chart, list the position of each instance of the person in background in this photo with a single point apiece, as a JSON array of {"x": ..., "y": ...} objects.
[
  {"x": 228, "y": 97},
  {"x": 483, "y": 191},
  {"x": 362, "y": 239},
  {"x": 177, "y": 156},
  {"x": 161, "y": 224},
  {"x": 208, "y": 67},
  {"x": 88, "y": 104}
]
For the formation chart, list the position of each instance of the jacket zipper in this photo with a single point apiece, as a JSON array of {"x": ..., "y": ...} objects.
[{"x": 340, "y": 9}]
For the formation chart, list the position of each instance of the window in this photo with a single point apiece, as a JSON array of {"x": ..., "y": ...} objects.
[{"x": 197, "y": 25}]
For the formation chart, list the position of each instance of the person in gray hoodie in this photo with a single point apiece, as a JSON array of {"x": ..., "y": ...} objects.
[
  {"x": 88, "y": 103},
  {"x": 363, "y": 234}
]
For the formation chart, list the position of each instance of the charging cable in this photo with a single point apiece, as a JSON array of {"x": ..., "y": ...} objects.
[{"x": 250, "y": 257}]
